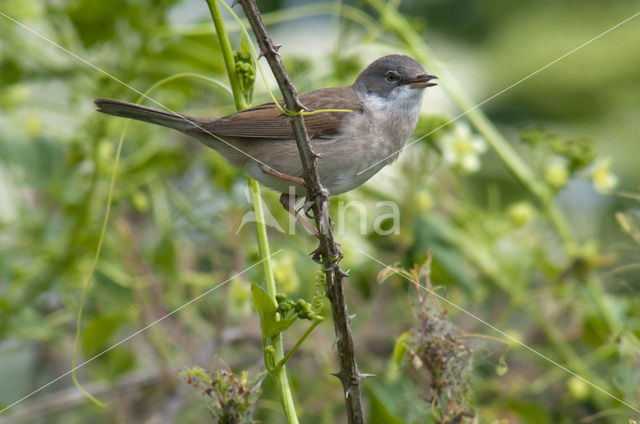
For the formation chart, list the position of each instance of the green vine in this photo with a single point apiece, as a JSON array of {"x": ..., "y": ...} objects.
[{"x": 237, "y": 67}]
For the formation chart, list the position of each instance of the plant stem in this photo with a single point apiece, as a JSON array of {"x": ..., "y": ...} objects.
[
  {"x": 279, "y": 374},
  {"x": 328, "y": 252},
  {"x": 227, "y": 54},
  {"x": 298, "y": 343}
]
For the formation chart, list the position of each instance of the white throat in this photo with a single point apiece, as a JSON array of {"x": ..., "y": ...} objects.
[{"x": 397, "y": 114}]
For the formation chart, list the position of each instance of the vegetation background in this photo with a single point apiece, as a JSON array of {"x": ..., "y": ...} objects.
[{"x": 177, "y": 208}]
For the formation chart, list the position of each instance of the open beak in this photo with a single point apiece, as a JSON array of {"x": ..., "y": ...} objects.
[{"x": 421, "y": 81}]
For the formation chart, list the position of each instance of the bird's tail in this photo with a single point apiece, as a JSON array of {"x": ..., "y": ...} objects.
[{"x": 146, "y": 114}]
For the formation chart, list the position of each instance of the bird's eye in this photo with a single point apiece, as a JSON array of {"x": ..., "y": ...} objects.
[{"x": 392, "y": 76}]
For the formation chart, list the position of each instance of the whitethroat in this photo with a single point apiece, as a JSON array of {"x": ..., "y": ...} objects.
[{"x": 381, "y": 112}]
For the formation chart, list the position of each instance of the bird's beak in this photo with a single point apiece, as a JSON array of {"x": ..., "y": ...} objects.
[{"x": 421, "y": 81}]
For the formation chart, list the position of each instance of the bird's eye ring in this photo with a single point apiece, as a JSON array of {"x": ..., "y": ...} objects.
[{"x": 392, "y": 76}]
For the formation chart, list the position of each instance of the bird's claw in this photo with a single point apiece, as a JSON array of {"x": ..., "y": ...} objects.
[{"x": 330, "y": 264}]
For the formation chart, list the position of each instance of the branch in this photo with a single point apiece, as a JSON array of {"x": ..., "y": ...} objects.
[{"x": 328, "y": 250}]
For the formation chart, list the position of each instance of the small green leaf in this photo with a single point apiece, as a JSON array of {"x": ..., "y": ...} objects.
[
  {"x": 385, "y": 273},
  {"x": 502, "y": 367},
  {"x": 278, "y": 327},
  {"x": 400, "y": 348},
  {"x": 198, "y": 372},
  {"x": 266, "y": 308},
  {"x": 244, "y": 47}
]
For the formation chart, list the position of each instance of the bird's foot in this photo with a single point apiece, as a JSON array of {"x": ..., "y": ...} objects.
[
  {"x": 289, "y": 204},
  {"x": 332, "y": 262}
]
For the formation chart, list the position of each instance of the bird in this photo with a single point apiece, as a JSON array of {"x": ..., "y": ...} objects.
[{"x": 378, "y": 113}]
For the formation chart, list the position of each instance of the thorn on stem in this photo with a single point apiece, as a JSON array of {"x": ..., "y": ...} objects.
[{"x": 301, "y": 106}]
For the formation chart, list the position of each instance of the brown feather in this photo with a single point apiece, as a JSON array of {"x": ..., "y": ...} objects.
[{"x": 267, "y": 121}]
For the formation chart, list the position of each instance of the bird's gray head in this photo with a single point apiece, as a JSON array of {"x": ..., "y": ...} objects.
[{"x": 393, "y": 73}]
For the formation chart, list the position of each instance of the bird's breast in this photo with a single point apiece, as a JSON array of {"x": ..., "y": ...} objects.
[{"x": 394, "y": 119}]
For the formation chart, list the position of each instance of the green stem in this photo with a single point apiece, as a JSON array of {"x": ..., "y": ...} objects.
[
  {"x": 601, "y": 298},
  {"x": 298, "y": 343},
  {"x": 227, "y": 54},
  {"x": 279, "y": 373}
]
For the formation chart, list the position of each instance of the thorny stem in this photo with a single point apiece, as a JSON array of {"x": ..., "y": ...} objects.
[
  {"x": 328, "y": 250},
  {"x": 279, "y": 374}
]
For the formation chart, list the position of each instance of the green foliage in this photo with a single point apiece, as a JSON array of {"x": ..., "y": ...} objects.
[
  {"x": 579, "y": 153},
  {"x": 400, "y": 348},
  {"x": 98, "y": 332},
  {"x": 381, "y": 410},
  {"x": 230, "y": 398},
  {"x": 246, "y": 69},
  {"x": 267, "y": 309},
  {"x": 177, "y": 208},
  {"x": 437, "y": 356}
]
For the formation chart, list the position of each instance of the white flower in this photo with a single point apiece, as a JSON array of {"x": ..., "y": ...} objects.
[
  {"x": 603, "y": 179},
  {"x": 462, "y": 149}
]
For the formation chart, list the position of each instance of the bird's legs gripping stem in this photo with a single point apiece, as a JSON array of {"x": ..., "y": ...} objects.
[{"x": 289, "y": 203}]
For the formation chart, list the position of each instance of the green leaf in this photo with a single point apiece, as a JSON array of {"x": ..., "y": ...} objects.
[
  {"x": 400, "y": 348},
  {"x": 385, "y": 273},
  {"x": 383, "y": 407},
  {"x": 397, "y": 358},
  {"x": 278, "y": 327},
  {"x": 98, "y": 331},
  {"x": 164, "y": 256},
  {"x": 266, "y": 308},
  {"x": 502, "y": 367},
  {"x": 244, "y": 47},
  {"x": 263, "y": 303}
]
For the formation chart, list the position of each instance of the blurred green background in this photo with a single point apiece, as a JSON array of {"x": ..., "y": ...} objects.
[{"x": 177, "y": 206}]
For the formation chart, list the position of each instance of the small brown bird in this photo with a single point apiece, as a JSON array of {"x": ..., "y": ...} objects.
[{"x": 383, "y": 103}]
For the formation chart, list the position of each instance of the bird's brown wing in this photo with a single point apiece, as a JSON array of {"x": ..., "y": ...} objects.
[{"x": 268, "y": 121}]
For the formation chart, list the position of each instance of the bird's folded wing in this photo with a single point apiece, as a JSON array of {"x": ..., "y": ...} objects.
[{"x": 268, "y": 121}]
